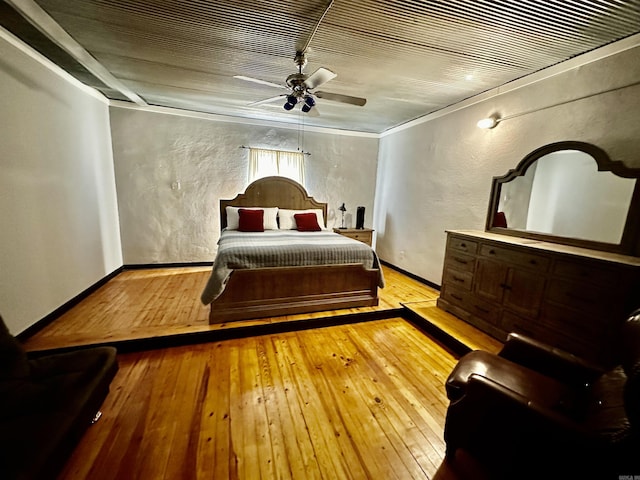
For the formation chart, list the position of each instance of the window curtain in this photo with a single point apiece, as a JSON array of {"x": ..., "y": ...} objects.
[{"x": 264, "y": 163}]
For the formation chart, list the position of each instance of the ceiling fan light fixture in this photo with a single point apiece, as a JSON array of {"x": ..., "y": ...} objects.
[
  {"x": 309, "y": 103},
  {"x": 291, "y": 102}
]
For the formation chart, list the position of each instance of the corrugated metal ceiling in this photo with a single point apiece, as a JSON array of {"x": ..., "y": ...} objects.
[{"x": 406, "y": 57}]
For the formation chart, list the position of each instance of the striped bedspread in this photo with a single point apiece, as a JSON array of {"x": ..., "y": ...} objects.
[{"x": 283, "y": 248}]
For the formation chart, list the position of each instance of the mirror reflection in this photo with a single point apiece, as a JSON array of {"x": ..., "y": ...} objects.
[{"x": 563, "y": 194}]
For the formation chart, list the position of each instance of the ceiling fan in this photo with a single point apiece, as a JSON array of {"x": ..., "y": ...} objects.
[{"x": 302, "y": 88}]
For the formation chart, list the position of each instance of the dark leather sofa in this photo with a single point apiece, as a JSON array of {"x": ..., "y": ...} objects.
[
  {"x": 47, "y": 401},
  {"x": 534, "y": 411}
]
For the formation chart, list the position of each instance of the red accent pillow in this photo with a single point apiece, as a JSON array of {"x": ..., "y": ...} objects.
[
  {"x": 251, "y": 220},
  {"x": 500, "y": 220},
  {"x": 307, "y": 222}
]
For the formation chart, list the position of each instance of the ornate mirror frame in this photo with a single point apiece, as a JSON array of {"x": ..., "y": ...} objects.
[{"x": 629, "y": 243}]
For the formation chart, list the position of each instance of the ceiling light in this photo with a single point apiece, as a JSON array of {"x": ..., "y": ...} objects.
[
  {"x": 291, "y": 102},
  {"x": 309, "y": 103},
  {"x": 488, "y": 122}
]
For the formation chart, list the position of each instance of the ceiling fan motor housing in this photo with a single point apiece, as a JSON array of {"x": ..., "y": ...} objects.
[
  {"x": 300, "y": 60},
  {"x": 296, "y": 82}
]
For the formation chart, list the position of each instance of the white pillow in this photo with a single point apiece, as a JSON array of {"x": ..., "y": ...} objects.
[
  {"x": 288, "y": 222},
  {"x": 270, "y": 217}
]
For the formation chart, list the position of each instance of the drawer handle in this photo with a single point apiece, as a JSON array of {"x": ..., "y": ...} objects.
[
  {"x": 483, "y": 310},
  {"x": 463, "y": 245},
  {"x": 460, "y": 260},
  {"x": 492, "y": 252},
  {"x": 458, "y": 279},
  {"x": 533, "y": 262},
  {"x": 456, "y": 296},
  {"x": 505, "y": 286}
]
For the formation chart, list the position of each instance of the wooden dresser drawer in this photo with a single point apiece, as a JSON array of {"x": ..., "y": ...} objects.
[
  {"x": 523, "y": 259},
  {"x": 471, "y": 304},
  {"x": 591, "y": 300},
  {"x": 576, "y": 323},
  {"x": 586, "y": 273},
  {"x": 364, "y": 235},
  {"x": 554, "y": 334},
  {"x": 513, "y": 323},
  {"x": 460, "y": 244},
  {"x": 460, "y": 262},
  {"x": 458, "y": 279}
]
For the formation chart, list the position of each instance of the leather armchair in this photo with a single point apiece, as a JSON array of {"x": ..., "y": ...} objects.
[{"x": 534, "y": 411}]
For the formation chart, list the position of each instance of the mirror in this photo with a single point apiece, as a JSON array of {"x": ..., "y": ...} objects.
[{"x": 570, "y": 193}]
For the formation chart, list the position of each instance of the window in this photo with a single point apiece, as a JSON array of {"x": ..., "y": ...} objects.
[{"x": 264, "y": 163}]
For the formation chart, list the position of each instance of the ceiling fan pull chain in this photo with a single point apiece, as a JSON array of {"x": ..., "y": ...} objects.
[{"x": 304, "y": 49}]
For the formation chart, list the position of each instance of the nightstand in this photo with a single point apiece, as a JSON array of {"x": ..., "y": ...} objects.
[{"x": 365, "y": 235}]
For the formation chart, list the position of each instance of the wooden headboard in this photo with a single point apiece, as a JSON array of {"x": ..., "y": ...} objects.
[{"x": 279, "y": 192}]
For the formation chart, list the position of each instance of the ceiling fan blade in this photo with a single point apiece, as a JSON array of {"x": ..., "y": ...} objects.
[
  {"x": 261, "y": 82},
  {"x": 319, "y": 77},
  {"x": 336, "y": 97},
  {"x": 266, "y": 100}
]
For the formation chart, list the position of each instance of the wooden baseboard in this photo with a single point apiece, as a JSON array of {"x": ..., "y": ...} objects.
[
  {"x": 145, "y": 266},
  {"x": 435, "y": 286}
]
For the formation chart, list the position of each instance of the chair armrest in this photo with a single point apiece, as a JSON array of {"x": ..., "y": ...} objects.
[
  {"x": 507, "y": 431},
  {"x": 482, "y": 390},
  {"x": 551, "y": 361}
]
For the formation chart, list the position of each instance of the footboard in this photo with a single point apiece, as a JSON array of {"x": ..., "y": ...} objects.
[{"x": 274, "y": 291}]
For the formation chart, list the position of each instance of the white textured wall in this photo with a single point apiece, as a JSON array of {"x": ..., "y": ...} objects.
[
  {"x": 153, "y": 150},
  {"x": 437, "y": 175},
  {"x": 58, "y": 209}
]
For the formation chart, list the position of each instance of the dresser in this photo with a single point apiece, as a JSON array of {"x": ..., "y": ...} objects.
[
  {"x": 365, "y": 235},
  {"x": 573, "y": 298}
]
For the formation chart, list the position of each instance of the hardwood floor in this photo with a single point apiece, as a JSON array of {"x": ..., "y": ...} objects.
[
  {"x": 165, "y": 302},
  {"x": 359, "y": 400}
]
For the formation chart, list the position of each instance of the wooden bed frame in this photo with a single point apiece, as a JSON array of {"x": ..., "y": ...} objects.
[{"x": 275, "y": 291}]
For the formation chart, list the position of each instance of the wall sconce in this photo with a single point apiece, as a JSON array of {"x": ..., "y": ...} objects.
[
  {"x": 343, "y": 209},
  {"x": 489, "y": 122}
]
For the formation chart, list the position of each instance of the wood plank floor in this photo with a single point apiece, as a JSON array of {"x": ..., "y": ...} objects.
[
  {"x": 356, "y": 401},
  {"x": 127, "y": 308},
  {"x": 459, "y": 330},
  {"x": 360, "y": 400}
]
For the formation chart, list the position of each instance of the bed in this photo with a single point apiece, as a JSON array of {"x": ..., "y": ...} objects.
[{"x": 246, "y": 285}]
